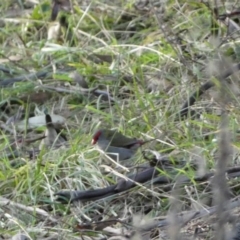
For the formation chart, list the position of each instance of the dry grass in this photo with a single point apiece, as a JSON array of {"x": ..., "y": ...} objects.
[{"x": 141, "y": 63}]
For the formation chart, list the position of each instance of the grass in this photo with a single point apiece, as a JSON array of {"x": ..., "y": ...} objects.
[{"x": 159, "y": 59}]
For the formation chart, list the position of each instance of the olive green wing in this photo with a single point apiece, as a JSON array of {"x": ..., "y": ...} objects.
[{"x": 117, "y": 139}]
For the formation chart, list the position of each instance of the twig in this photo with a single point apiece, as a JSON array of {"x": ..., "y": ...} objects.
[{"x": 33, "y": 210}]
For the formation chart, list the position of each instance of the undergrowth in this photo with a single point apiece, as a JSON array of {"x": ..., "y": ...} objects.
[{"x": 149, "y": 58}]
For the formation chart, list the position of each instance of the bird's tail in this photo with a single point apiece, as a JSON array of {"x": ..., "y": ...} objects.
[
  {"x": 141, "y": 142},
  {"x": 48, "y": 120}
]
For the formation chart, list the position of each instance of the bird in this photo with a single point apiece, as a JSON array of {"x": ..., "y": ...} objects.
[
  {"x": 116, "y": 145},
  {"x": 53, "y": 137}
]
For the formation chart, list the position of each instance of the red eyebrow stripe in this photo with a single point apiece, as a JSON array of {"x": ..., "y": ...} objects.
[{"x": 95, "y": 137}]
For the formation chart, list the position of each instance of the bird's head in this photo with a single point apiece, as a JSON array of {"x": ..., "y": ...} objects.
[{"x": 96, "y": 137}]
